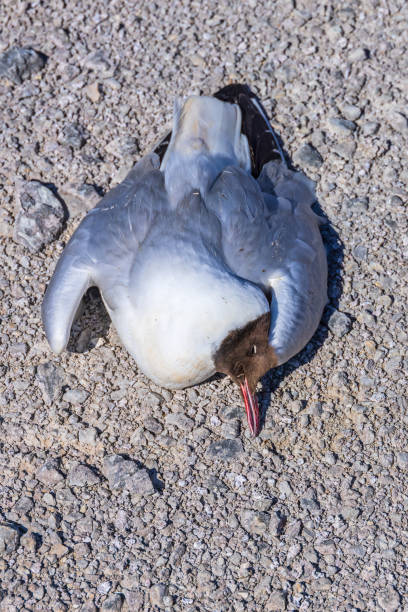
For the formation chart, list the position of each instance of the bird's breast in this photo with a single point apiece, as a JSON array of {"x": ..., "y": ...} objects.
[{"x": 177, "y": 312}]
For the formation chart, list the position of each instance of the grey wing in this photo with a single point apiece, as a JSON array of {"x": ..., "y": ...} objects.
[
  {"x": 271, "y": 236},
  {"x": 103, "y": 248}
]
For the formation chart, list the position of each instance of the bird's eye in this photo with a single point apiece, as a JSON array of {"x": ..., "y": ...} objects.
[{"x": 253, "y": 351}]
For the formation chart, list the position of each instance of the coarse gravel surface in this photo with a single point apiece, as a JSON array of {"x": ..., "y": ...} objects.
[{"x": 116, "y": 494}]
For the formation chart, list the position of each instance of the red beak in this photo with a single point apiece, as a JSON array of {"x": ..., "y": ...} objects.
[{"x": 252, "y": 408}]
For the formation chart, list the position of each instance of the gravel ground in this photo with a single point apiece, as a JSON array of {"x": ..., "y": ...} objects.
[{"x": 119, "y": 495}]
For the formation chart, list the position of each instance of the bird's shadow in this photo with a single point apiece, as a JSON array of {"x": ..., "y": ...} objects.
[{"x": 91, "y": 323}]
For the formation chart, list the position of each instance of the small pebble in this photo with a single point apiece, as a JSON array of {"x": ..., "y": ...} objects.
[
  {"x": 255, "y": 522},
  {"x": 49, "y": 473},
  {"x": 82, "y": 476},
  {"x": 88, "y": 436},
  {"x": 51, "y": 380},
  {"x": 125, "y": 474},
  {"x": 309, "y": 156},
  {"x": 358, "y": 55},
  {"x": 276, "y": 602},
  {"x": 342, "y": 127},
  {"x": 75, "y": 396},
  {"x": 351, "y": 112},
  {"x": 339, "y": 323},
  {"x": 225, "y": 449},
  {"x": 9, "y": 539},
  {"x": 74, "y": 135}
]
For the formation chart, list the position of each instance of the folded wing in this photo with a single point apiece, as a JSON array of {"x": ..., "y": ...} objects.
[
  {"x": 101, "y": 250},
  {"x": 270, "y": 235}
]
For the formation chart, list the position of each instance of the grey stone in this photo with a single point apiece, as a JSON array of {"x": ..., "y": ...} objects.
[
  {"x": 326, "y": 547},
  {"x": 255, "y": 522},
  {"x": 351, "y": 112},
  {"x": 360, "y": 252},
  {"x": 179, "y": 420},
  {"x": 99, "y": 62},
  {"x": 276, "y": 524},
  {"x": 157, "y": 593},
  {"x": 41, "y": 216},
  {"x": 225, "y": 450},
  {"x": 88, "y": 436},
  {"x": 125, "y": 474},
  {"x": 20, "y": 63},
  {"x": 370, "y": 128},
  {"x": 398, "y": 121},
  {"x": 357, "y": 550},
  {"x": 231, "y": 429},
  {"x": 82, "y": 476},
  {"x": 74, "y": 135},
  {"x": 339, "y": 323},
  {"x": 359, "y": 203},
  {"x": 309, "y": 156},
  {"x": 49, "y": 473},
  {"x": 51, "y": 380},
  {"x": 359, "y": 55},
  {"x": 24, "y": 505},
  {"x": 345, "y": 148},
  {"x": 9, "y": 539},
  {"x": 140, "y": 483},
  {"x": 402, "y": 460},
  {"x": 75, "y": 396},
  {"x": 389, "y": 599},
  {"x": 134, "y": 599},
  {"x": 342, "y": 127},
  {"x": 18, "y": 348},
  {"x": 104, "y": 587},
  {"x": 89, "y": 606},
  {"x": 230, "y": 413},
  {"x": 152, "y": 425},
  {"x": 396, "y": 201},
  {"x": 114, "y": 603},
  {"x": 276, "y": 602},
  {"x": 123, "y": 147}
]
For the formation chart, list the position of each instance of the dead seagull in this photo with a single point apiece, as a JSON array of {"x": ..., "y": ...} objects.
[{"x": 208, "y": 255}]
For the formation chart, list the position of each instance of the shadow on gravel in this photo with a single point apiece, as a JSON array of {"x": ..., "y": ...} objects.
[{"x": 92, "y": 322}]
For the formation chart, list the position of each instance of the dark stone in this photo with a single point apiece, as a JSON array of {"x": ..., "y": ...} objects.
[
  {"x": 309, "y": 156},
  {"x": 41, "y": 217},
  {"x": 339, "y": 323},
  {"x": 51, "y": 380},
  {"x": 125, "y": 474},
  {"x": 19, "y": 63},
  {"x": 74, "y": 135},
  {"x": 9, "y": 538},
  {"x": 225, "y": 449}
]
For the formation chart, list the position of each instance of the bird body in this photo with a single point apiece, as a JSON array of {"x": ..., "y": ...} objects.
[{"x": 191, "y": 248}]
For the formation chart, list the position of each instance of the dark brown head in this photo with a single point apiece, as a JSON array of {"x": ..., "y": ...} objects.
[{"x": 245, "y": 355}]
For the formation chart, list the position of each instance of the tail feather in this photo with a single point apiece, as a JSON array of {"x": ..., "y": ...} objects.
[{"x": 263, "y": 142}]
